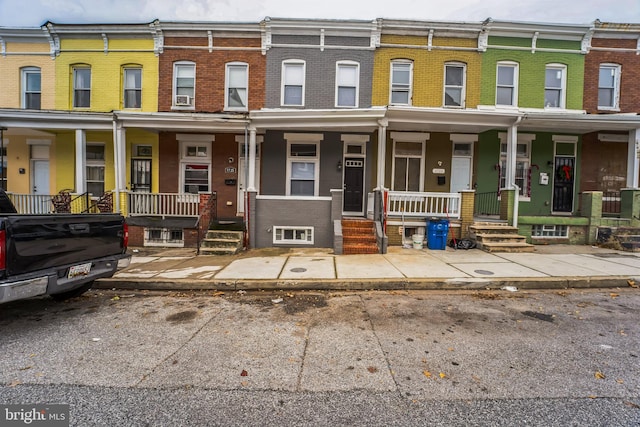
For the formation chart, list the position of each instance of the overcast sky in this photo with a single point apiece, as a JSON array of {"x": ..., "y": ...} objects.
[{"x": 32, "y": 13}]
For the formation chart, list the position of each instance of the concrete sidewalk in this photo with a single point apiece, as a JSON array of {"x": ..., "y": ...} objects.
[{"x": 557, "y": 266}]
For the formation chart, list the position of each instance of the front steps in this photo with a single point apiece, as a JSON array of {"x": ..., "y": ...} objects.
[
  {"x": 625, "y": 238},
  {"x": 222, "y": 242},
  {"x": 359, "y": 237},
  {"x": 498, "y": 237}
]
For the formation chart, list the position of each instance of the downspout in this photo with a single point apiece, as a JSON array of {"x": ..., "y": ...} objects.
[{"x": 516, "y": 198}]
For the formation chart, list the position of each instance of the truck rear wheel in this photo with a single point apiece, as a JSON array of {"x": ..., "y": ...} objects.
[{"x": 73, "y": 293}]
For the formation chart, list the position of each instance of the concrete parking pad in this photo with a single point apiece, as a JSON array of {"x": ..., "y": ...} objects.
[
  {"x": 301, "y": 267},
  {"x": 603, "y": 265},
  {"x": 632, "y": 260},
  {"x": 365, "y": 266},
  {"x": 551, "y": 265},
  {"x": 423, "y": 265},
  {"x": 253, "y": 268},
  {"x": 498, "y": 269}
]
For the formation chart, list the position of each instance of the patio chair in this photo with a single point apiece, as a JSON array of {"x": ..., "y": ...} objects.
[
  {"x": 105, "y": 203},
  {"x": 62, "y": 201}
]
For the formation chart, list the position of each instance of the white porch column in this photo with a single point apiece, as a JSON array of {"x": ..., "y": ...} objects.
[
  {"x": 81, "y": 161},
  {"x": 633, "y": 159},
  {"x": 382, "y": 153},
  {"x": 251, "y": 184},
  {"x": 119, "y": 159},
  {"x": 512, "y": 145}
]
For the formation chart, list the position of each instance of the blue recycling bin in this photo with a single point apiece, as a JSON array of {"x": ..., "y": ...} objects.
[{"x": 437, "y": 230}]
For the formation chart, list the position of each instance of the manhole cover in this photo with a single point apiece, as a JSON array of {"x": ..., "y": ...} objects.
[
  {"x": 487, "y": 272},
  {"x": 298, "y": 270}
]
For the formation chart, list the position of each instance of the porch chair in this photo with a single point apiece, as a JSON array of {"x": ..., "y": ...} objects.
[
  {"x": 105, "y": 202},
  {"x": 62, "y": 201}
]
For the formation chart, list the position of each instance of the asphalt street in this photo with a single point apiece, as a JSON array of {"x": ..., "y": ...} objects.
[{"x": 135, "y": 358}]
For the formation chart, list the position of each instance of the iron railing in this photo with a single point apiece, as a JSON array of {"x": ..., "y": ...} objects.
[{"x": 486, "y": 204}]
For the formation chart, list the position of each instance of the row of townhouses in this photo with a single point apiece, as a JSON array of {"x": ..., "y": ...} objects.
[{"x": 290, "y": 126}]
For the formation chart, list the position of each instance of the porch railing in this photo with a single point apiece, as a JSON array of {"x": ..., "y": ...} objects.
[
  {"x": 32, "y": 203},
  {"x": 163, "y": 204},
  {"x": 486, "y": 204},
  {"x": 423, "y": 204},
  {"x": 611, "y": 202}
]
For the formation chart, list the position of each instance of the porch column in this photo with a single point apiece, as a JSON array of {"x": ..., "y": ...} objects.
[
  {"x": 119, "y": 159},
  {"x": 382, "y": 152},
  {"x": 633, "y": 159},
  {"x": 81, "y": 161},
  {"x": 512, "y": 144},
  {"x": 251, "y": 184}
]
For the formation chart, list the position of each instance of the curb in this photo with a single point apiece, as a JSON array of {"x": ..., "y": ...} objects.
[{"x": 451, "y": 284}]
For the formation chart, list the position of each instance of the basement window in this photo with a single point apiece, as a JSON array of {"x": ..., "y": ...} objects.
[
  {"x": 293, "y": 235},
  {"x": 557, "y": 231},
  {"x": 163, "y": 237}
]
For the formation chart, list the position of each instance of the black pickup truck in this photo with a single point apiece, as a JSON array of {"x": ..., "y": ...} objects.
[{"x": 57, "y": 254}]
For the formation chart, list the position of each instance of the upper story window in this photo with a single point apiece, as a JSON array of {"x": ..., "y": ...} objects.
[
  {"x": 454, "y": 84},
  {"x": 31, "y": 88},
  {"x": 132, "y": 87},
  {"x": 555, "y": 83},
  {"x": 507, "y": 84},
  {"x": 81, "y": 87},
  {"x": 609, "y": 87},
  {"x": 237, "y": 84},
  {"x": 293, "y": 76},
  {"x": 184, "y": 84},
  {"x": 347, "y": 83},
  {"x": 401, "y": 82}
]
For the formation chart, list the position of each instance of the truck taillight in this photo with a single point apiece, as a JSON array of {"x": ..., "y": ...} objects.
[
  {"x": 125, "y": 239},
  {"x": 3, "y": 249}
]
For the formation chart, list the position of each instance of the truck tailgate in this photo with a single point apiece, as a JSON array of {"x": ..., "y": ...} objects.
[{"x": 35, "y": 242}]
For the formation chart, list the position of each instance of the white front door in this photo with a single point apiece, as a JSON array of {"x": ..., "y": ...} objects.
[
  {"x": 460, "y": 174},
  {"x": 242, "y": 178},
  {"x": 40, "y": 176}
]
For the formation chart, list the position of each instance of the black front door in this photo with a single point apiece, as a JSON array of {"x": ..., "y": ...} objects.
[
  {"x": 353, "y": 185},
  {"x": 141, "y": 175},
  {"x": 564, "y": 170}
]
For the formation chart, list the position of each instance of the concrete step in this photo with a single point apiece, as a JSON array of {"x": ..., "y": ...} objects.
[
  {"x": 219, "y": 251},
  {"x": 506, "y": 247},
  {"x": 221, "y": 243},
  {"x": 496, "y": 237},
  {"x": 359, "y": 237},
  {"x": 225, "y": 234},
  {"x": 496, "y": 229},
  {"x": 360, "y": 248}
]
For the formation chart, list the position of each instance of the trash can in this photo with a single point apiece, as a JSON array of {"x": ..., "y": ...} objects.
[
  {"x": 417, "y": 241},
  {"x": 437, "y": 230}
]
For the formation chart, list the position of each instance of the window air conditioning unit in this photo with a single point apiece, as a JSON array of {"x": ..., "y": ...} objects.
[{"x": 183, "y": 100}]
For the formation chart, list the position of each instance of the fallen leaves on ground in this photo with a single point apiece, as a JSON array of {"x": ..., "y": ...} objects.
[
  {"x": 15, "y": 383},
  {"x": 244, "y": 373},
  {"x": 427, "y": 374},
  {"x": 614, "y": 295},
  {"x": 599, "y": 375},
  {"x": 372, "y": 369},
  {"x": 632, "y": 283}
]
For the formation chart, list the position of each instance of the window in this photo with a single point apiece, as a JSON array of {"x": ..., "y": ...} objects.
[
  {"x": 132, "y": 88},
  {"x": 507, "y": 84},
  {"x": 523, "y": 160},
  {"x": 347, "y": 79},
  {"x": 554, "y": 86},
  {"x": 184, "y": 84},
  {"x": 163, "y": 237},
  {"x": 401, "y": 79},
  {"x": 293, "y": 235},
  {"x": 237, "y": 81},
  {"x": 31, "y": 88},
  {"x": 539, "y": 230},
  {"x": 293, "y": 74},
  {"x": 81, "y": 87},
  {"x": 95, "y": 169},
  {"x": 609, "y": 87},
  {"x": 303, "y": 162},
  {"x": 195, "y": 166},
  {"x": 454, "y": 78},
  {"x": 407, "y": 166}
]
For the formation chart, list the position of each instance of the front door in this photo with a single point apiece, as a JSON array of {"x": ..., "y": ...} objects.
[
  {"x": 460, "y": 174},
  {"x": 141, "y": 175},
  {"x": 563, "y": 183},
  {"x": 242, "y": 177},
  {"x": 40, "y": 177},
  {"x": 353, "y": 185}
]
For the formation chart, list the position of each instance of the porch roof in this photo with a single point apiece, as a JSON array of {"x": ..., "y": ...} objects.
[
  {"x": 55, "y": 119},
  {"x": 578, "y": 123},
  {"x": 360, "y": 119},
  {"x": 449, "y": 120},
  {"x": 170, "y": 121}
]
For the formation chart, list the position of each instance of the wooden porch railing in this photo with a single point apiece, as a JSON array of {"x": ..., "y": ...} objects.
[
  {"x": 163, "y": 204},
  {"x": 413, "y": 204}
]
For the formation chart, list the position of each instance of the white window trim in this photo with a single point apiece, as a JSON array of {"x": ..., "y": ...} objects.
[
  {"x": 563, "y": 83},
  {"x": 357, "y": 87},
  {"x": 463, "y": 91},
  {"x": 98, "y": 164},
  {"x": 410, "y": 92},
  {"x": 418, "y": 137},
  {"x": 310, "y": 230},
  {"x": 554, "y": 228},
  {"x": 616, "y": 87},
  {"x": 124, "y": 86},
  {"x": 23, "y": 90},
  {"x": 165, "y": 241},
  {"x": 286, "y": 63},
  {"x": 174, "y": 82},
  {"x": 304, "y": 139},
  {"x": 516, "y": 75},
  {"x": 226, "y": 85},
  {"x": 73, "y": 85}
]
